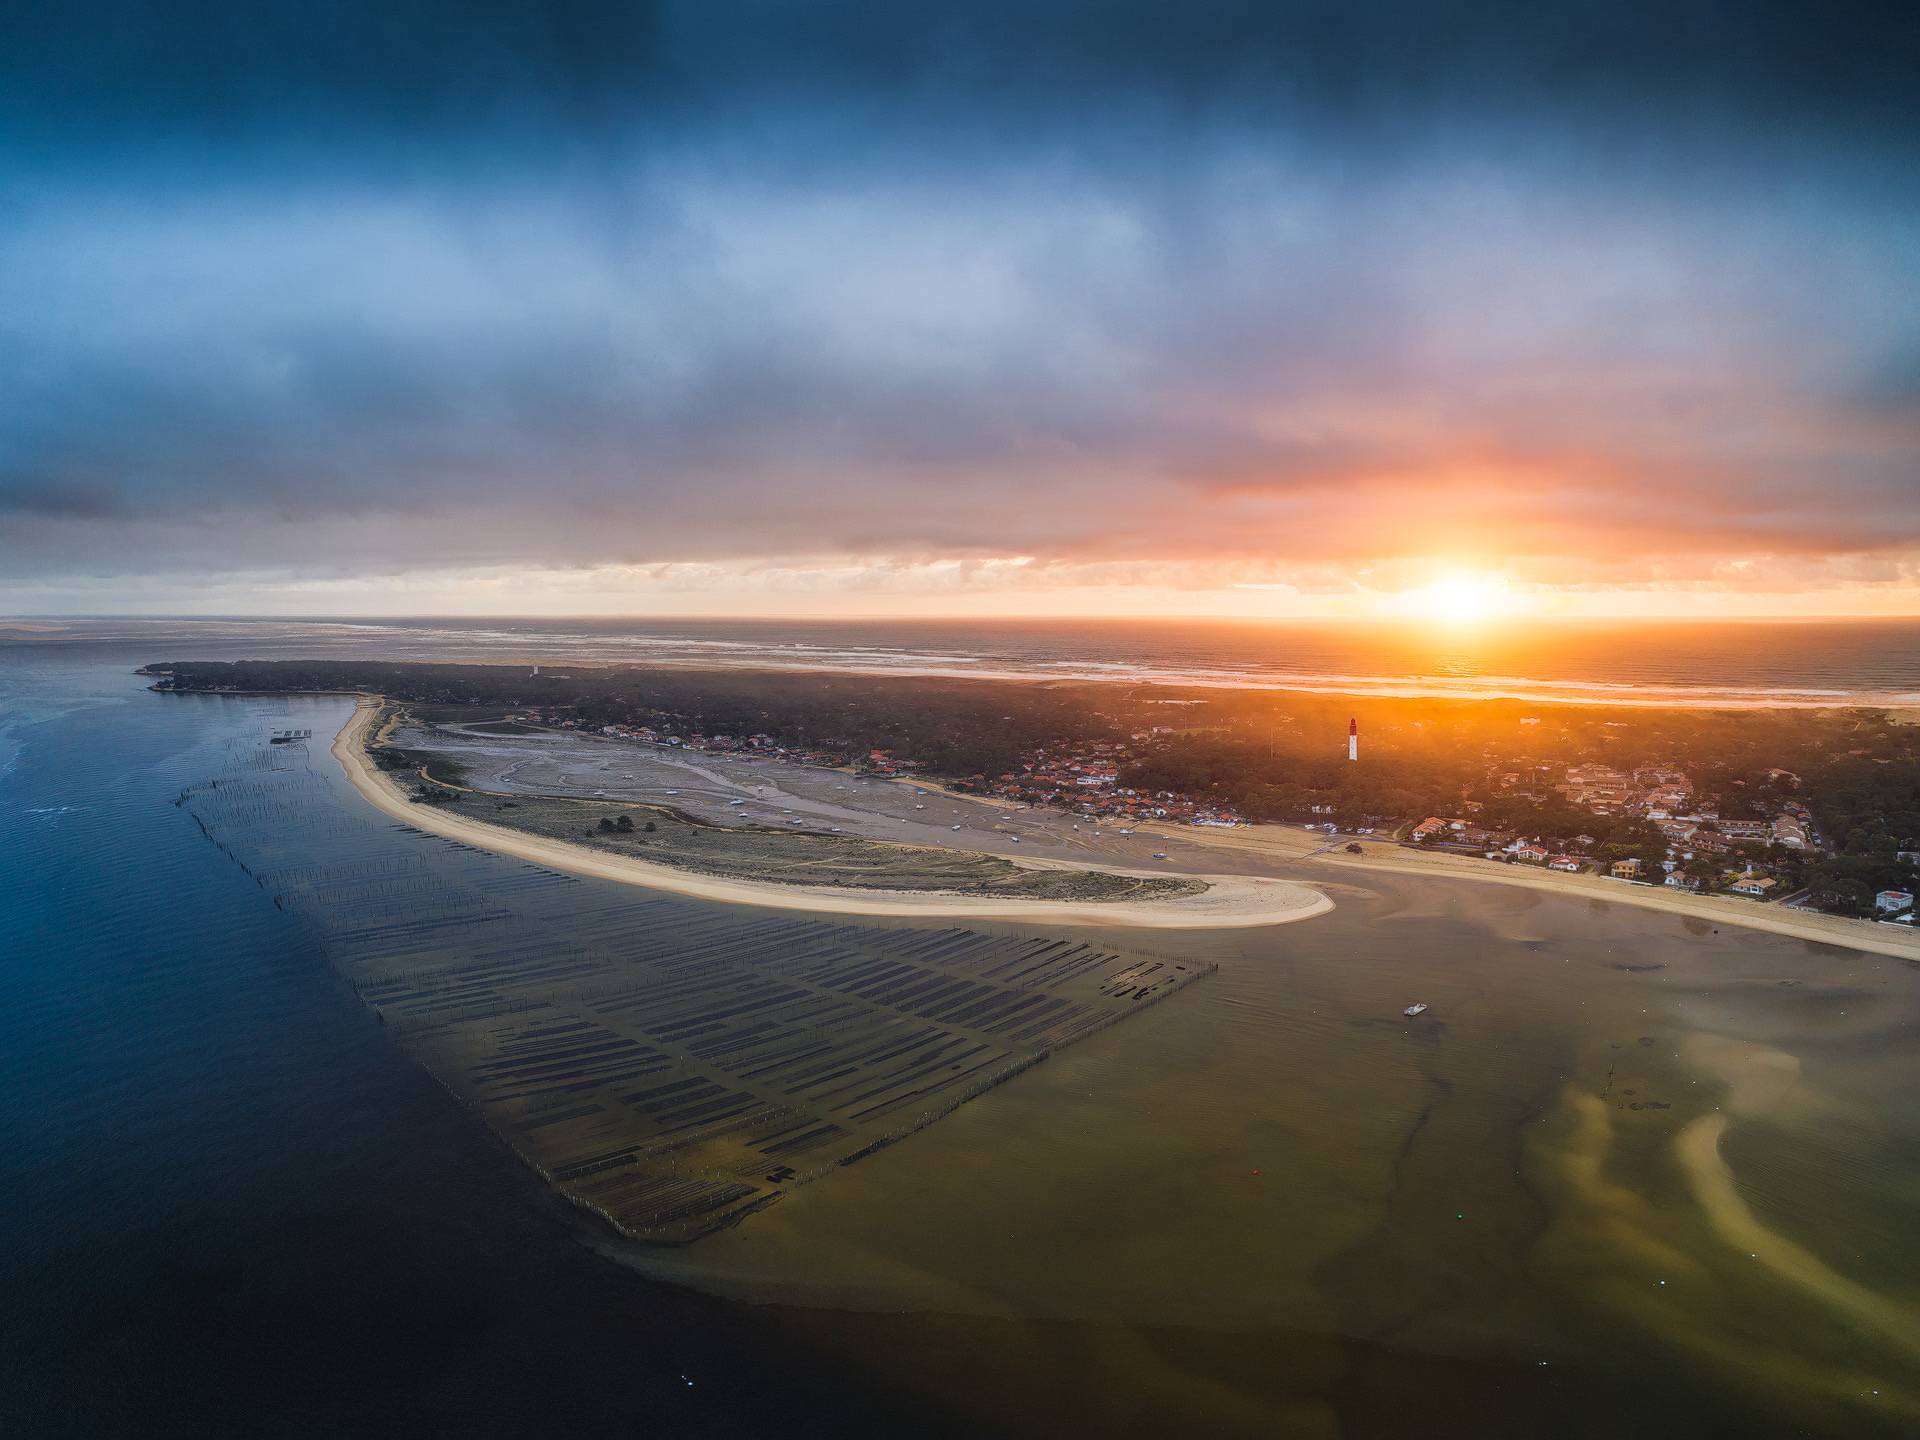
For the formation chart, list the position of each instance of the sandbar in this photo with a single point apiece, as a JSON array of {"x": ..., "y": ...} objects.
[{"x": 1229, "y": 901}]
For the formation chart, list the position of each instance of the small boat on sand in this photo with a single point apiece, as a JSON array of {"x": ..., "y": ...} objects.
[{"x": 1413, "y": 1010}]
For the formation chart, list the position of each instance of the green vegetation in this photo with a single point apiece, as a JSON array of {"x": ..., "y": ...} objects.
[
  {"x": 954, "y": 727},
  {"x": 429, "y": 765},
  {"x": 794, "y": 857}
]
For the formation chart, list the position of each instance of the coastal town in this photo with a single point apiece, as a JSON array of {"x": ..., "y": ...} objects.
[{"x": 1684, "y": 844}]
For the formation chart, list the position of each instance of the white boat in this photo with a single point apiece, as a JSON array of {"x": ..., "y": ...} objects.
[{"x": 1412, "y": 1010}]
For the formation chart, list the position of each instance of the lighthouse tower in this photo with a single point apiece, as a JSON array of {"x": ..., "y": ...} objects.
[{"x": 1353, "y": 738}]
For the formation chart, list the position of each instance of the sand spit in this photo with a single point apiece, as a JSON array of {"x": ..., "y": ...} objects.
[{"x": 1229, "y": 902}]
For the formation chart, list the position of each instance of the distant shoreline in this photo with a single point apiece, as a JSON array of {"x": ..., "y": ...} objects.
[
  {"x": 1901, "y": 706},
  {"x": 1229, "y": 902},
  {"x": 653, "y": 644}
]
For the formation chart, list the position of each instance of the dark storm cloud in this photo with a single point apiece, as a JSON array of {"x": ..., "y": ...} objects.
[
  {"x": 383, "y": 284},
  {"x": 223, "y": 69}
]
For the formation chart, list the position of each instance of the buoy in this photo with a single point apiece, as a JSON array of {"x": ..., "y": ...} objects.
[{"x": 1256, "y": 1172}]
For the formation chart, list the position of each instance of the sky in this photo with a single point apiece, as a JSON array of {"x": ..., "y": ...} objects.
[{"x": 1247, "y": 309}]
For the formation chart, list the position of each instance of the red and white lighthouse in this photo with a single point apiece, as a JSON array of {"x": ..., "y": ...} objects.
[{"x": 1353, "y": 738}]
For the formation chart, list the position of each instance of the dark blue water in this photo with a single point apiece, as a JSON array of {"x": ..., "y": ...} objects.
[{"x": 231, "y": 1207}]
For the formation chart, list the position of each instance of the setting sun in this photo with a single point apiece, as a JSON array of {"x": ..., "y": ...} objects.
[{"x": 1459, "y": 600}]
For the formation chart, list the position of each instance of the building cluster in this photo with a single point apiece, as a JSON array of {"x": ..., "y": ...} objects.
[
  {"x": 1663, "y": 796},
  {"x": 1501, "y": 844},
  {"x": 1657, "y": 792},
  {"x": 1085, "y": 779}
]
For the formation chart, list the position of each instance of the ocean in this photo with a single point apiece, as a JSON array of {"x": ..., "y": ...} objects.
[
  {"x": 1262, "y": 1206},
  {"x": 233, "y": 1208},
  {"x": 1727, "y": 663}
]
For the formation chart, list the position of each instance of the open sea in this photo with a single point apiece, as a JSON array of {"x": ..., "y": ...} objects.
[
  {"x": 1639, "y": 1177},
  {"x": 1726, "y": 663}
]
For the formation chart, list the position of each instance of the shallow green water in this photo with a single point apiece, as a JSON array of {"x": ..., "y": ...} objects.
[{"x": 1499, "y": 1182}]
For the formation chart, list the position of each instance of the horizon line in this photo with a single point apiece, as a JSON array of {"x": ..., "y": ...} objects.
[{"x": 1395, "y": 622}]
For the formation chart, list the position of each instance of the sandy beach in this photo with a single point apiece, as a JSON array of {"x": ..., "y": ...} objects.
[
  {"x": 1229, "y": 902},
  {"x": 1292, "y": 845}
]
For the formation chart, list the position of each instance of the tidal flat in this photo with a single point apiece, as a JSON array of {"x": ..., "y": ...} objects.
[
  {"x": 1628, "y": 1167},
  {"x": 671, "y": 1068},
  {"x": 1616, "y": 1139}
]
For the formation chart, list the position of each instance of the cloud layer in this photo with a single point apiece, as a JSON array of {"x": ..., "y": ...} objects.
[{"x": 1599, "y": 295}]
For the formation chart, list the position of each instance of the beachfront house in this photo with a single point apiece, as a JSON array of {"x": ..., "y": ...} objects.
[
  {"x": 1789, "y": 831},
  {"x": 1627, "y": 869},
  {"x": 1892, "y": 902}
]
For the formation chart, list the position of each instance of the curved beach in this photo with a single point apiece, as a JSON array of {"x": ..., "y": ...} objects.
[
  {"x": 1288, "y": 846},
  {"x": 1229, "y": 902}
]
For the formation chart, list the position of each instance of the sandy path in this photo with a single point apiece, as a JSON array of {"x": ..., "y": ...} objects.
[{"x": 1229, "y": 902}]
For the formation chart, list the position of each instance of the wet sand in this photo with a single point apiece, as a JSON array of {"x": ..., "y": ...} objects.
[{"x": 1229, "y": 901}]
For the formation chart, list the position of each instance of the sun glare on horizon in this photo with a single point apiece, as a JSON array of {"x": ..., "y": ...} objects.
[{"x": 1460, "y": 600}]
